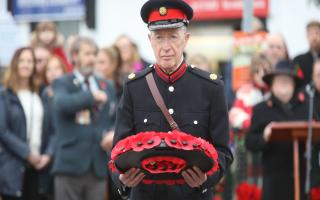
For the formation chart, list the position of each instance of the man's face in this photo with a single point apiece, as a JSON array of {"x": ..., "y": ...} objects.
[
  {"x": 316, "y": 76},
  {"x": 168, "y": 46},
  {"x": 85, "y": 59},
  {"x": 276, "y": 48},
  {"x": 42, "y": 55},
  {"x": 313, "y": 34}
]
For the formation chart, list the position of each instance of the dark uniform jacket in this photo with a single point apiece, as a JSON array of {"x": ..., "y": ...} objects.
[
  {"x": 305, "y": 61},
  {"x": 315, "y": 170},
  {"x": 197, "y": 103},
  {"x": 78, "y": 145},
  {"x": 14, "y": 148},
  {"x": 277, "y": 157}
]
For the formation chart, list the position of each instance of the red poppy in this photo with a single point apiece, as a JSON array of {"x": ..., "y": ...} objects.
[
  {"x": 163, "y": 164},
  {"x": 172, "y": 140},
  {"x": 301, "y": 97},
  {"x": 186, "y": 141},
  {"x": 245, "y": 191},
  {"x": 145, "y": 140},
  {"x": 315, "y": 193},
  {"x": 121, "y": 147},
  {"x": 112, "y": 166},
  {"x": 103, "y": 85},
  {"x": 300, "y": 73}
]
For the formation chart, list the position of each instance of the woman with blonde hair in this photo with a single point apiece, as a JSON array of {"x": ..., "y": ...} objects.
[
  {"x": 25, "y": 147},
  {"x": 131, "y": 60},
  {"x": 108, "y": 66}
]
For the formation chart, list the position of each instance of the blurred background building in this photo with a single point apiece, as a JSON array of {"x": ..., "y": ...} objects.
[{"x": 104, "y": 20}]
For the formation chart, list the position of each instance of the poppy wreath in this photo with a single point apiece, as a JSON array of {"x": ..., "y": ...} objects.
[
  {"x": 315, "y": 193},
  {"x": 163, "y": 156},
  {"x": 246, "y": 191}
]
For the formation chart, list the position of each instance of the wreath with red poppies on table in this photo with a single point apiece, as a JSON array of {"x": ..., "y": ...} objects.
[
  {"x": 315, "y": 193},
  {"x": 159, "y": 161},
  {"x": 246, "y": 191}
]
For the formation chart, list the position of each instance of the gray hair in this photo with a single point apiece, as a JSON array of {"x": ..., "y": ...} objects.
[{"x": 82, "y": 40}]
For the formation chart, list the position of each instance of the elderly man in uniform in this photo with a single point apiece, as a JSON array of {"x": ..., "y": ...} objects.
[{"x": 194, "y": 98}]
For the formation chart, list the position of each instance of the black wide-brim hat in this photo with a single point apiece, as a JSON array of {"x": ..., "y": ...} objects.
[
  {"x": 163, "y": 156},
  {"x": 164, "y": 14},
  {"x": 283, "y": 67}
]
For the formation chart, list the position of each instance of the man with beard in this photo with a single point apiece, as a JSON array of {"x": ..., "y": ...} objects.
[
  {"x": 84, "y": 110},
  {"x": 306, "y": 61}
]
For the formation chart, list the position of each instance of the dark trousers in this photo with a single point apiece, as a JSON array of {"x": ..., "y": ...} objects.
[
  {"x": 84, "y": 187},
  {"x": 30, "y": 187}
]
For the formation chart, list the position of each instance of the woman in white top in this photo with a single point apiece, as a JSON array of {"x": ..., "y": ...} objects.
[{"x": 22, "y": 117}]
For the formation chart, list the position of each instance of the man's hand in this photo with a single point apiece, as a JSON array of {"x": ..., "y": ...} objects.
[
  {"x": 34, "y": 159},
  {"x": 267, "y": 132},
  {"x": 100, "y": 96},
  {"x": 132, "y": 177},
  {"x": 106, "y": 143},
  {"x": 194, "y": 177},
  {"x": 44, "y": 162}
]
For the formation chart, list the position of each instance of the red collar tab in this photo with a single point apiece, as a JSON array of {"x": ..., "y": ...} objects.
[
  {"x": 164, "y": 13},
  {"x": 173, "y": 77}
]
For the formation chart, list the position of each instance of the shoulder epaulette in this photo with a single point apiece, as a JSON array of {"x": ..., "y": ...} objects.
[
  {"x": 135, "y": 76},
  {"x": 204, "y": 74}
]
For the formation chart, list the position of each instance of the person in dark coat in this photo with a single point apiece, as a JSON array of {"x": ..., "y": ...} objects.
[
  {"x": 54, "y": 69},
  {"x": 285, "y": 104},
  {"x": 85, "y": 110},
  {"x": 26, "y": 145},
  {"x": 195, "y": 99},
  {"x": 306, "y": 60},
  {"x": 315, "y": 169}
]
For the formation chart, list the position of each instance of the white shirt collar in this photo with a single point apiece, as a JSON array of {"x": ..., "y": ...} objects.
[{"x": 93, "y": 84}]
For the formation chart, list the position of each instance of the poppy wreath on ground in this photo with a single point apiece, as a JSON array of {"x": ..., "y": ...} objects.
[
  {"x": 246, "y": 191},
  {"x": 315, "y": 193},
  {"x": 163, "y": 156}
]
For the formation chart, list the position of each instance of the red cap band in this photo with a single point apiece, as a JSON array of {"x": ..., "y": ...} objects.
[{"x": 170, "y": 13}]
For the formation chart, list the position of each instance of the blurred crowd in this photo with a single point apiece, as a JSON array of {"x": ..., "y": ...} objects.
[{"x": 58, "y": 100}]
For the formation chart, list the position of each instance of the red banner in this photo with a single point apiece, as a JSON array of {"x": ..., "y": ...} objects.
[{"x": 225, "y": 9}]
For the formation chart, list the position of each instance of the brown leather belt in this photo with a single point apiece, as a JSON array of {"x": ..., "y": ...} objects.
[{"x": 159, "y": 101}]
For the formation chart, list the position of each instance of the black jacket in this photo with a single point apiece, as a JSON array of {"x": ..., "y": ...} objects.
[
  {"x": 277, "y": 159},
  {"x": 305, "y": 61},
  {"x": 14, "y": 149},
  {"x": 315, "y": 170},
  {"x": 195, "y": 97}
]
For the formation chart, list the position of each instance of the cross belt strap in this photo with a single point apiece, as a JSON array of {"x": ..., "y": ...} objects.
[{"x": 159, "y": 101}]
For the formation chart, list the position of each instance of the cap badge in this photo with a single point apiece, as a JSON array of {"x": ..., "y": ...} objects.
[
  {"x": 163, "y": 11},
  {"x": 213, "y": 76}
]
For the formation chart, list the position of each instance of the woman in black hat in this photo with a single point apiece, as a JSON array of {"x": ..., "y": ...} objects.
[{"x": 285, "y": 104}]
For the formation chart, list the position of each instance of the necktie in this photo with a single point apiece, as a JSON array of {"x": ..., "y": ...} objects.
[{"x": 94, "y": 110}]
